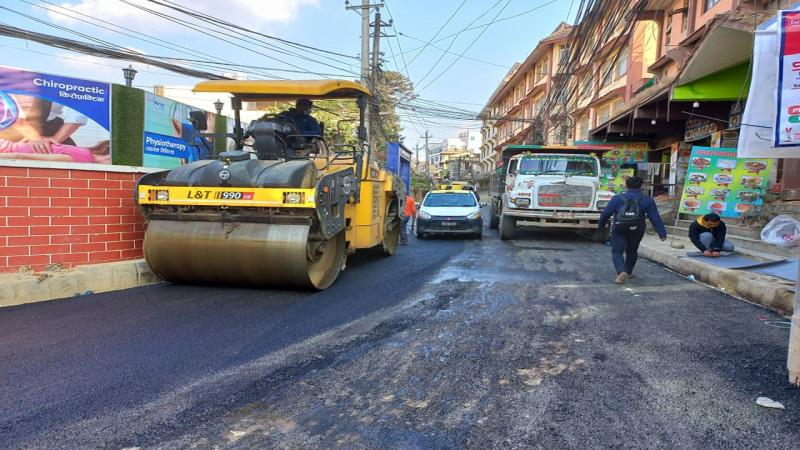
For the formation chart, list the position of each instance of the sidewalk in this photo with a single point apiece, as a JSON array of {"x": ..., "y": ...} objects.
[
  {"x": 767, "y": 290},
  {"x": 770, "y": 291},
  {"x": 29, "y": 287}
]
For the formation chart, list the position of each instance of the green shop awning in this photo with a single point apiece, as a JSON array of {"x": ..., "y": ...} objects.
[{"x": 729, "y": 84}]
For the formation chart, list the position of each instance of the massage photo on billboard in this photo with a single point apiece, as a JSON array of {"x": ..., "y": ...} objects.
[
  {"x": 45, "y": 117},
  {"x": 169, "y": 133}
]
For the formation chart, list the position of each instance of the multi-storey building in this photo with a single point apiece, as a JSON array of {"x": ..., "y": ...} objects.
[{"x": 630, "y": 70}]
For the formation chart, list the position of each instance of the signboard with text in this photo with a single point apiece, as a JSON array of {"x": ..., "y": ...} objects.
[
  {"x": 70, "y": 114},
  {"x": 169, "y": 133},
  {"x": 719, "y": 182},
  {"x": 787, "y": 119}
]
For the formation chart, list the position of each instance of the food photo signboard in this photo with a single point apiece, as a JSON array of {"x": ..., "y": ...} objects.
[
  {"x": 614, "y": 180},
  {"x": 719, "y": 182}
]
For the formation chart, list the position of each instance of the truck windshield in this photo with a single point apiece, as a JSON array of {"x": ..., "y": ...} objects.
[
  {"x": 454, "y": 199},
  {"x": 566, "y": 165}
]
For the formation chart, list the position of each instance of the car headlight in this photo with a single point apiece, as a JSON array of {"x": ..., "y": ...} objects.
[
  {"x": 424, "y": 215},
  {"x": 601, "y": 204},
  {"x": 522, "y": 202},
  {"x": 475, "y": 215}
]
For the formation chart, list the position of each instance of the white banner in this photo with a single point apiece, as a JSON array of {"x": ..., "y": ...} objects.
[
  {"x": 787, "y": 121},
  {"x": 756, "y": 138}
]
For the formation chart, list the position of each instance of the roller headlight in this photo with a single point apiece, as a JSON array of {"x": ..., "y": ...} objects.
[
  {"x": 162, "y": 196},
  {"x": 293, "y": 198}
]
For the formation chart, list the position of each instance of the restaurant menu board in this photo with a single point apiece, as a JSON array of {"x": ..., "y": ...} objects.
[
  {"x": 626, "y": 153},
  {"x": 614, "y": 181},
  {"x": 719, "y": 182}
]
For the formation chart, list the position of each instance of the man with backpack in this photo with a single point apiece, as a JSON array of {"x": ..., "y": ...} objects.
[{"x": 629, "y": 209}]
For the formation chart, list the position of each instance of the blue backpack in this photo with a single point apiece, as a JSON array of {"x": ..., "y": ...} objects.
[{"x": 629, "y": 216}]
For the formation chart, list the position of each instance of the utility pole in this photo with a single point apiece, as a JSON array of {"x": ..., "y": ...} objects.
[
  {"x": 364, "y": 10},
  {"x": 427, "y": 155}
]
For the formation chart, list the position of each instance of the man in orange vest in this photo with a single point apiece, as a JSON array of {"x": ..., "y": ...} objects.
[{"x": 410, "y": 213}]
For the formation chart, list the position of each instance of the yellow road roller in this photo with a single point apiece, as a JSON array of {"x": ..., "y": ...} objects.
[{"x": 281, "y": 209}]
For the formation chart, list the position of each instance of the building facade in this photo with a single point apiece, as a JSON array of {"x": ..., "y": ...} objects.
[{"x": 631, "y": 70}]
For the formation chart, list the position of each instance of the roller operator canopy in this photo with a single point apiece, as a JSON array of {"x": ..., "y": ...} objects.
[{"x": 255, "y": 90}]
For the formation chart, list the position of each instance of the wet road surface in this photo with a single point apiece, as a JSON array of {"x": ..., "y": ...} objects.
[{"x": 448, "y": 344}]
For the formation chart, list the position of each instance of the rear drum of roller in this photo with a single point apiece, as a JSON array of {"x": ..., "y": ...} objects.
[{"x": 242, "y": 253}]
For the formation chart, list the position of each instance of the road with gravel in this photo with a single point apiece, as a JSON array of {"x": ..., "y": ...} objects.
[{"x": 450, "y": 343}]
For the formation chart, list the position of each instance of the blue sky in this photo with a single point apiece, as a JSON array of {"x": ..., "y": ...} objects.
[{"x": 455, "y": 52}]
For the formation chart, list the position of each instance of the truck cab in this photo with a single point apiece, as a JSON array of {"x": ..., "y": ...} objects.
[{"x": 549, "y": 186}]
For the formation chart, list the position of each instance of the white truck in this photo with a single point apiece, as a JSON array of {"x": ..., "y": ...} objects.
[{"x": 549, "y": 186}]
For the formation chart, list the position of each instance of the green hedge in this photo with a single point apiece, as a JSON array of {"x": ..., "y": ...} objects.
[{"x": 127, "y": 131}]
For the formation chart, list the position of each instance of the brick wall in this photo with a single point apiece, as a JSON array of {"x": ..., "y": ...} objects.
[{"x": 53, "y": 214}]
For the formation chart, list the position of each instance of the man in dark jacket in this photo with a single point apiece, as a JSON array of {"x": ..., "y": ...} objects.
[
  {"x": 625, "y": 245},
  {"x": 707, "y": 233},
  {"x": 301, "y": 116}
]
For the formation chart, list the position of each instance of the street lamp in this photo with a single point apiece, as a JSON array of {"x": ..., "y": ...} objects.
[
  {"x": 218, "y": 106},
  {"x": 129, "y": 73}
]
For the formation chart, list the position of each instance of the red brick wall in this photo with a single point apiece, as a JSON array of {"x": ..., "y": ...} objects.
[{"x": 68, "y": 216}]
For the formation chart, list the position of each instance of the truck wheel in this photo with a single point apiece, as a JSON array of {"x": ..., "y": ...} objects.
[
  {"x": 494, "y": 221},
  {"x": 507, "y": 226},
  {"x": 603, "y": 235}
]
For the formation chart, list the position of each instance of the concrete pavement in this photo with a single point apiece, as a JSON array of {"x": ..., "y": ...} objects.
[
  {"x": 27, "y": 287},
  {"x": 770, "y": 291}
]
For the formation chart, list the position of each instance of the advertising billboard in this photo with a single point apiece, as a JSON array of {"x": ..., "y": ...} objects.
[
  {"x": 53, "y": 118},
  {"x": 169, "y": 132},
  {"x": 719, "y": 182}
]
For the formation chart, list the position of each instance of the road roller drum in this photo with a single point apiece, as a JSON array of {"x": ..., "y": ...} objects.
[{"x": 242, "y": 253}]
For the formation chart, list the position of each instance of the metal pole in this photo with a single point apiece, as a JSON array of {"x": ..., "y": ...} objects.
[{"x": 793, "y": 361}]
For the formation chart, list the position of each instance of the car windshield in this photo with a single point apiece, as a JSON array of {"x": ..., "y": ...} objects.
[
  {"x": 566, "y": 165},
  {"x": 454, "y": 199}
]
